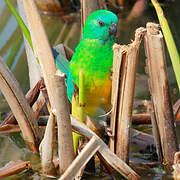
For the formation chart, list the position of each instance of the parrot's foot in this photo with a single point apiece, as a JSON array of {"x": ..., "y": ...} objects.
[{"x": 107, "y": 129}]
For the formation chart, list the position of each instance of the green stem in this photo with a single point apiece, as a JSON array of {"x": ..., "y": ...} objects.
[
  {"x": 81, "y": 96},
  {"x": 174, "y": 56},
  {"x": 20, "y": 22},
  {"x": 78, "y": 107}
]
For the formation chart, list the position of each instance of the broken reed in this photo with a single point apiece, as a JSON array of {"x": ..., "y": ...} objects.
[
  {"x": 20, "y": 107},
  {"x": 162, "y": 114},
  {"x": 55, "y": 85},
  {"x": 124, "y": 72},
  {"x": 123, "y": 84}
]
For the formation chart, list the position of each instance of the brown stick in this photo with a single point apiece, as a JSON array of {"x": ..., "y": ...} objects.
[
  {"x": 19, "y": 106},
  {"x": 160, "y": 92},
  {"x": 117, "y": 63},
  {"x": 9, "y": 128},
  {"x": 124, "y": 92},
  {"x": 46, "y": 148},
  {"x": 55, "y": 85},
  {"x": 109, "y": 169},
  {"x": 143, "y": 118},
  {"x": 14, "y": 168},
  {"x": 31, "y": 97}
]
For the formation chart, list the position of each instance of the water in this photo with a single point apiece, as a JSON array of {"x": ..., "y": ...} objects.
[{"x": 12, "y": 147}]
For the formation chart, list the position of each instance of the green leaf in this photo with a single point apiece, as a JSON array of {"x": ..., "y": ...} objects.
[
  {"x": 173, "y": 52},
  {"x": 21, "y": 24}
]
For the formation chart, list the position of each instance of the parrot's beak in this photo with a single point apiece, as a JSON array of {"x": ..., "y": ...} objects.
[{"x": 113, "y": 29}]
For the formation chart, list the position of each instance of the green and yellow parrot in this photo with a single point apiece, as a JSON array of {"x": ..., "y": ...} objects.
[{"x": 93, "y": 55}]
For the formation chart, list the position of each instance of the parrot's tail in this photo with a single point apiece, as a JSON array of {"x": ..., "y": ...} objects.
[{"x": 61, "y": 62}]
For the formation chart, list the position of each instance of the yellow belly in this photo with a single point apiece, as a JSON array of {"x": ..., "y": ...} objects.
[{"x": 98, "y": 96}]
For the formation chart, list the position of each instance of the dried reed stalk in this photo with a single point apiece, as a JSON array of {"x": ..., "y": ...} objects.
[
  {"x": 14, "y": 168},
  {"x": 55, "y": 84},
  {"x": 31, "y": 96},
  {"x": 124, "y": 75},
  {"x": 46, "y": 148},
  {"x": 88, "y": 7},
  {"x": 159, "y": 89},
  {"x": 20, "y": 107}
]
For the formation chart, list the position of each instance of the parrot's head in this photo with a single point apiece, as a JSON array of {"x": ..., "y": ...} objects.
[{"x": 101, "y": 24}]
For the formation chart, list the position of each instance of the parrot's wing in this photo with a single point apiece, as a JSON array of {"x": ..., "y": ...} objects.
[{"x": 61, "y": 62}]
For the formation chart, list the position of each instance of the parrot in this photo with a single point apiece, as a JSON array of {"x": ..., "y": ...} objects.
[{"x": 93, "y": 55}]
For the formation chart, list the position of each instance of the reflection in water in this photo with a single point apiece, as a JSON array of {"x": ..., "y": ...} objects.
[{"x": 9, "y": 151}]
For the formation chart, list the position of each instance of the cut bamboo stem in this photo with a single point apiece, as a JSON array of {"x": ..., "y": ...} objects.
[
  {"x": 46, "y": 148},
  {"x": 20, "y": 107},
  {"x": 160, "y": 92},
  {"x": 55, "y": 85},
  {"x": 125, "y": 63}
]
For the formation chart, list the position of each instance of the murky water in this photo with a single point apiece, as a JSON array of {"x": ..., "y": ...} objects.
[{"x": 12, "y": 147}]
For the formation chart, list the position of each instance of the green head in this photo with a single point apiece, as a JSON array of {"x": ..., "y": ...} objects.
[{"x": 101, "y": 24}]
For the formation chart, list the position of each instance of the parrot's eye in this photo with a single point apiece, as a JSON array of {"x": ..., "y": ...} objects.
[{"x": 101, "y": 23}]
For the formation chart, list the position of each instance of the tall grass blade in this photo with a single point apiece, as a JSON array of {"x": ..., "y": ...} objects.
[
  {"x": 20, "y": 22},
  {"x": 175, "y": 58}
]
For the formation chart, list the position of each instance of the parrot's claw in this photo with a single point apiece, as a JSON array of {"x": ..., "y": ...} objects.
[
  {"x": 107, "y": 129},
  {"x": 109, "y": 132}
]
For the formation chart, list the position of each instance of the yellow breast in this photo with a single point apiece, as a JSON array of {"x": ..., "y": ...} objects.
[{"x": 99, "y": 95}]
